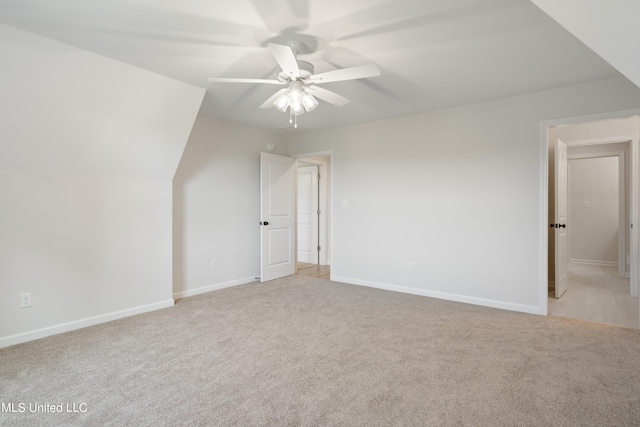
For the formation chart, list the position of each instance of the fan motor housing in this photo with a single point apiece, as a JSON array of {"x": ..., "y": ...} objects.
[{"x": 306, "y": 71}]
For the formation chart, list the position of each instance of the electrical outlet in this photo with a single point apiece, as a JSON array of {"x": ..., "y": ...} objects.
[
  {"x": 409, "y": 266},
  {"x": 25, "y": 300},
  {"x": 214, "y": 264}
]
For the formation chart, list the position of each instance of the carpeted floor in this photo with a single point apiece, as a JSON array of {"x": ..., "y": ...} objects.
[{"x": 310, "y": 352}]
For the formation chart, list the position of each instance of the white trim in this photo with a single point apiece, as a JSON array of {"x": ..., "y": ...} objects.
[
  {"x": 600, "y": 141},
  {"x": 443, "y": 295},
  {"x": 543, "y": 223},
  {"x": 300, "y": 156},
  {"x": 591, "y": 118},
  {"x": 82, "y": 323},
  {"x": 328, "y": 197},
  {"x": 214, "y": 287},
  {"x": 634, "y": 249},
  {"x": 593, "y": 262}
]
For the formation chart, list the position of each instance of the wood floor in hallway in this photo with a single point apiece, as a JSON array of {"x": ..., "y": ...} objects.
[
  {"x": 597, "y": 294},
  {"x": 314, "y": 270}
]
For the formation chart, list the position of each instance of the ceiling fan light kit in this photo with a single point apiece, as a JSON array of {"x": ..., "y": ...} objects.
[
  {"x": 301, "y": 93},
  {"x": 297, "y": 100}
]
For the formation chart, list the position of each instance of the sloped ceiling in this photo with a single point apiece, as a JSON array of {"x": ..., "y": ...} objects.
[
  {"x": 610, "y": 28},
  {"x": 432, "y": 53},
  {"x": 68, "y": 111}
]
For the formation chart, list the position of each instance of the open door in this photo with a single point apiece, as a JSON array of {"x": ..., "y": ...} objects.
[
  {"x": 561, "y": 217},
  {"x": 277, "y": 217}
]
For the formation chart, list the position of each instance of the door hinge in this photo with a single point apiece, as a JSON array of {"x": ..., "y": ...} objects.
[
  {"x": 318, "y": 211},
  {"x": 318, "y": 177}
]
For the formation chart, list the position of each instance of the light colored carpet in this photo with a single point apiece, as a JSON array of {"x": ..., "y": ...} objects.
[{"x": 310, "y": 352}]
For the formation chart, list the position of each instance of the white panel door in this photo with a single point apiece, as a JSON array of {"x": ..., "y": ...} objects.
[
  {"x": 308, "y": 214},
  {"x": 277, "y": 217},
  {"x": 561, "y": 217}
]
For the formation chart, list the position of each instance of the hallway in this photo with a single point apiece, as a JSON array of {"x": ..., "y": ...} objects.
[
  {"x": 313, "y": 270},
  {"x": 596, "y": 294}
]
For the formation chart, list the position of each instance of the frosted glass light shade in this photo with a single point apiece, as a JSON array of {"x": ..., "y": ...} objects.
[
  {"x": 309, "y": 102},
  {"x": 296, "y": 99},
  {"x": 296, "y": 110},
  {"x": 282, "y": 102}
]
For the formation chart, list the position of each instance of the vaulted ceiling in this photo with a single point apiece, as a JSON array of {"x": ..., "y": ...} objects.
[{"x": 432, "y": 53}]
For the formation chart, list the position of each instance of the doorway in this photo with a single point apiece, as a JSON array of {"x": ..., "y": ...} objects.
[
  {"x": 313, "y": 253},
  {"x": 598, "y": 286},
  {"x": 598, "y": 209},
  {"x": 602, "y": 289}
]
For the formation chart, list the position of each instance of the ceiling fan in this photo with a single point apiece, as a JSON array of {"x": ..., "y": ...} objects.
[{"x": 302, "y": 84}]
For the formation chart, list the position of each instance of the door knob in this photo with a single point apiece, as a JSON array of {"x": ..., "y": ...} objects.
[{"x": 264, "y": 222}]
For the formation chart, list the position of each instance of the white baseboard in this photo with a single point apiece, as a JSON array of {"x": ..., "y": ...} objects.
[
  {"x": 444, "y": 295},
  {"x": 214, "y": 287},
  {"x": 593, "y": 262},
  {"x": 82, "y": 323}
]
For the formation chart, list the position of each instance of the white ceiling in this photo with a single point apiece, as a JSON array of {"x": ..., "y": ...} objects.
[{"x": 432, "y": 53}]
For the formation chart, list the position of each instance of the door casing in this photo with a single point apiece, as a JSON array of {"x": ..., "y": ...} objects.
[{"x": 544, "y": 194}]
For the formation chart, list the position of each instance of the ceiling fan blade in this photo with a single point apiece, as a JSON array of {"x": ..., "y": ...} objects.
[
  {"x": 269, "y": 102},
  {"x": 285, "y": 58},
  {"x": 327, "y": 95},
  {"x": 232, "y": 80},
  {"x": 352, "y": 73}
]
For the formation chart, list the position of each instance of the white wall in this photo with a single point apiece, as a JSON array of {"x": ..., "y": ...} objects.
[
  {"x": 609, "y": 27},
  {"x": 216, "y": 206},
  {"x": 88, "y": 149},
  {"x": 593, "y": 210},
  {"x": 456, "y": 192}
]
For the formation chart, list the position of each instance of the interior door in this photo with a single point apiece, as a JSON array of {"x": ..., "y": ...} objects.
[
  {"x": 308, "y": 214},
  {"x": 561, "y": 217},
  {"x": 277, "y": 217}
]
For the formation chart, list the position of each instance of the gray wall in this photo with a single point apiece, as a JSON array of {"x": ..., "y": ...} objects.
[
  {"x": 456, "y": 192},
  {"x": 593, "y": 210},
  {"x": 85, "y": 185},
  {"x": 216, "y": 206}
]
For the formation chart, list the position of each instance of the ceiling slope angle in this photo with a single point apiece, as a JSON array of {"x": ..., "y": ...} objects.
[{"x": 429, "y": 54}]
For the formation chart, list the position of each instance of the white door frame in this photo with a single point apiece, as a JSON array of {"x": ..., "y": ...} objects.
[
  {"x": 561, "y": 217},
  {"x": 326, "y": 186},
  {"x": 622, "y": 205},
  {"x": 309, "y": 252},
  {"x": 543, "y": 215}
]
